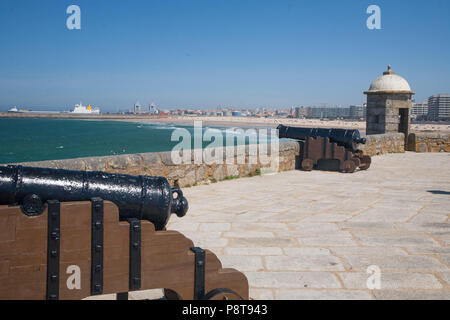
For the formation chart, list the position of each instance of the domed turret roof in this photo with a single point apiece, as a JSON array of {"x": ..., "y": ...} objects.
[{"x": 389, "y": 82}]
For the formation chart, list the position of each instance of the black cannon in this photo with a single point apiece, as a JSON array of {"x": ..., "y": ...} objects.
[
  {"x": 142, "y": 197},
  {"x": 328, "y": 149},
  {"x": 350, "y": 139}
]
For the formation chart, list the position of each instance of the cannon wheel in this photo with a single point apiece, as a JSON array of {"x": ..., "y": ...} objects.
[
  {"x": 307, "y": 164},
  {"x": 215, "y": 294},
  {"x": 222, "y": 294},
  {"x": 357, "y": 161},
  {"x": 365, "y": 162},
  {"x": 349, "y": 166},
  {"x": 170, "y": 295}
]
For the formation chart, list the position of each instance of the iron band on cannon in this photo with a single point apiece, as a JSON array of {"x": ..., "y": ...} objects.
[
  {"x": 328, "y": 149},
  {"x": 108, "y": 228}
]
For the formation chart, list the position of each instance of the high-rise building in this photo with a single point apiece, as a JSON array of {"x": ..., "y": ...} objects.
[
  {"x": 358, "y": 112},
  {"x": 419, "y": 110},
  {"x": 330, "y": 112},
  {"x": 137, "y": 107},
  {"x": 301, "y": 112},
  {"x": 439, "y": 107}
]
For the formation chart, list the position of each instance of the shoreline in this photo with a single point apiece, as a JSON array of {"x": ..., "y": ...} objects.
[{"x": 246, "y": 122}]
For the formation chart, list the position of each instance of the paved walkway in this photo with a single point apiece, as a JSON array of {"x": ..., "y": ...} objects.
[{"x": 312, "y": 235}]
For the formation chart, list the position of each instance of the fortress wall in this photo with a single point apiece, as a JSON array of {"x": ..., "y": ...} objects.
[
  {"x": 378, "y": 144},
  {"x": 191, "y": 173},
  {"x": 429, "y": 142},
  {"x": 185, "y": 174}
]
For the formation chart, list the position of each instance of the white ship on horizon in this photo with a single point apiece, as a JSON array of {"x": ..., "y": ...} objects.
[{"x": 80, "y": 109}]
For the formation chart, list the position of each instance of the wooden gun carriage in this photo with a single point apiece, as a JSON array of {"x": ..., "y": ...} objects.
[
  {"x": 41, "y": 257},
  {"x": 77, "y": 249},
  {"x": 322, "y": 154}
]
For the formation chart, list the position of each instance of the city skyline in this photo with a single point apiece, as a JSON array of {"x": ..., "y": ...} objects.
[{"x": 272, "y": 54}]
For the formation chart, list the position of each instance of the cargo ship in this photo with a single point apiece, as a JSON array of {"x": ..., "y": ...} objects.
[{"x": 80, "y": 109}]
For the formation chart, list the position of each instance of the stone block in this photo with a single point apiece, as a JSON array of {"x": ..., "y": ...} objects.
[
  {"x": 95, "y": 164},
  {"x": 41, "y": 164},
  {"x": 261, "y": 294},
  {"x": 392, "y": 280},
  {"x": 304, "y": 262},
  {"x": 232, "y": 170},
  {"x": 71, "y": 164},
  {"x": 263, "y": 242},
  {"x": 267, "y": 251},
  {"x": 242, "y": 263},
  {"x": 150, "y": 159},
  {"x": 434, "y": 149},
  {"x": 208, "y": 239},
  {"x": 187, "y": 179},
  {"x": 218, "y": 173},
  {"x": 260, "y": 226},
  {"x": 166, "y": 158},
  {"x": 249, "y": 234},
  {"x": 305, "y": 294},
  {"x": 368, "y": 251},
  {"x": 324, "y": 240},
  {"x": 412, "y": 294},
  {"x": 395, "y": 263},
  {"x": 446, "y": 277},
  {"x": 215, "y": 226},
  {"x": 116, "y": 162},
  {"x": 181, "y": 225},
  {"x": 395, "y": 238},
  {"x": 293, "y": 280},
  {"x": 422, "y": 147}
]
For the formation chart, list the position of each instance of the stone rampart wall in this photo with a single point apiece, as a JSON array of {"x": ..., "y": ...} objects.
[
  {"x": 187, "y": 173},
  {"x": 429, "y": 142},
  {"x": 378, "y": 144}
]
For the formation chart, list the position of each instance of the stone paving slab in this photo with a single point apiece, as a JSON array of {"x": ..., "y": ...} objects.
[
  {"x": 393, "y": 280},
  {"x": 293, "y": 280},
  {"x": 443, "y": 294},
  {"x": 322, "y": 295},
  {"x": 446, "y": 277},
  {"x": 312, "y": 235}
]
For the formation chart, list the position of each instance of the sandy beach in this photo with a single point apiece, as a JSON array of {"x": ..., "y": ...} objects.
[
  {"x": 274, "y": 122},
  {"x": 227, "y": 121}
]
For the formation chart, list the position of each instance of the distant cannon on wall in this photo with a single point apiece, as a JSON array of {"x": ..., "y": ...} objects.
[{"x": 328, "y": 149}]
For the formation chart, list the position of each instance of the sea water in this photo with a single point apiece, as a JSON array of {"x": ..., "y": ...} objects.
[{"x": 36, "y": 139}]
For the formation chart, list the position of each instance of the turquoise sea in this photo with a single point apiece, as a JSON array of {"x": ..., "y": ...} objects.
[{"x": 24, "y": 140}]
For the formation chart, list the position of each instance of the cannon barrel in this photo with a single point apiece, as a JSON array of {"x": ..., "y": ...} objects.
[
  {"x": 142, "y": 197},
  {"x": 343, "y": 137}
]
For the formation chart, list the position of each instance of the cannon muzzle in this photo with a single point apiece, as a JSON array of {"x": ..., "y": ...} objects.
[
  {"x": 349, "y": 139},
  {"x": 142, "y": 197}
]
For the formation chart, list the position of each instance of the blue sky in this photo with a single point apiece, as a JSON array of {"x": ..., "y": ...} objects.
[{"x": 217, "y": 52}]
